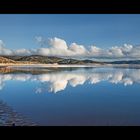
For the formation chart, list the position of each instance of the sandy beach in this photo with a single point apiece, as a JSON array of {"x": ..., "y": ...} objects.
[
  {"x": 46, "y": 65},
  {"x": 65, "y": 66}
]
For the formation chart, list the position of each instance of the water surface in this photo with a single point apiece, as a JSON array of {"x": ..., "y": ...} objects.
[{"x": 73, "y": 96}]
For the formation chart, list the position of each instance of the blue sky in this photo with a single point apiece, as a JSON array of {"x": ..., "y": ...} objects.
[{"x": 103, "y": 30}]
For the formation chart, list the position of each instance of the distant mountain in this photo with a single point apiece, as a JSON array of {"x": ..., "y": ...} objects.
[
  {"x": 4, "y": 60},
  {"x": 126, "y": 62},
  {"x": 35, "y": 59},
  {"x": 48, "y": 60},
  {"x": 38, "y": 59}
]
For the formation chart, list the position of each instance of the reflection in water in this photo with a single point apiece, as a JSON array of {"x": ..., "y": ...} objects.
[
  {"x": 108, "y": 101},
  {"x": 55, "y": 81}
]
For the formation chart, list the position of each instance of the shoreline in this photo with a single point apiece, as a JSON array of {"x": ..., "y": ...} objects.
[
  {"x": 46, "y": 65},
  {"x": 67, "y": 65}
]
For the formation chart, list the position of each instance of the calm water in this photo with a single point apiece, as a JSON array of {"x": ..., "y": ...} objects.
[{"x": 82, "y": 96}]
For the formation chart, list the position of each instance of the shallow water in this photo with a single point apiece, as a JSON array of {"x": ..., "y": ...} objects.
[{"x": 74, "y": 96}]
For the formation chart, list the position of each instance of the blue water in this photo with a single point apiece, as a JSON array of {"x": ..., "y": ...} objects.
[{"x": 93, "y": 96}]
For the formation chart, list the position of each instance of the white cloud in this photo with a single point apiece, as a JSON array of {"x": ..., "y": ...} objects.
[
  {"x": 22, "y": 52},
  {"x": 58, "y": 47},
  {"x": 4, "y": 50}
]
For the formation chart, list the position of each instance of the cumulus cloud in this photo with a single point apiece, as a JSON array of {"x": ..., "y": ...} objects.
[
  {"x": 58, "y": 47},
  {"x": 4, "y": 50},
  {"x": 22, "y": 52}
]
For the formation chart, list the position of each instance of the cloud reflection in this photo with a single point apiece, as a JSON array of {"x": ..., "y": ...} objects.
[{"x": 58, "y": 81}]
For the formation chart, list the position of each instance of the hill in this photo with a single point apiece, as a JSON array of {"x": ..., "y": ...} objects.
[
  {"x": 48, "y": 60},
  {"x": 4, "y": 60},
  {"x": 38, "y": 59},
  {"x": 126, "y": 62}
]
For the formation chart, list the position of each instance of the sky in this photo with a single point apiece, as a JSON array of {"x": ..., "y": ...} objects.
[{"x": 82, "y": 35}]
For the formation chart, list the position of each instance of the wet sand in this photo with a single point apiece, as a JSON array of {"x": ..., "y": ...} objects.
[{"x": 9, "y": 117}]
